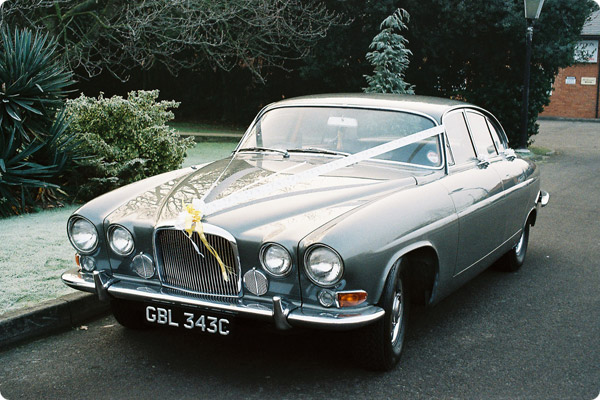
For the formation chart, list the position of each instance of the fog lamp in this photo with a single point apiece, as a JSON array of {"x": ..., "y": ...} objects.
[
  {"x": 87, "y": 263},
  {"x": 326, "y": 298},
  {"x": 351, "y": 298}
]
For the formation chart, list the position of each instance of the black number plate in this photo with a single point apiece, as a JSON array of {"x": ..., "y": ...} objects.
[{"x": 187, "y": 319}]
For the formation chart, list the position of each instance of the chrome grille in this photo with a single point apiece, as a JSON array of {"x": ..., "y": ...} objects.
[{"x": 182, "y": 267}]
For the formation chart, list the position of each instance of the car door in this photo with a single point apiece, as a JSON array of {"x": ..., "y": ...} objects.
[
  {"x": 476, "y": 191},
  {"x": 512, "y": 173}
]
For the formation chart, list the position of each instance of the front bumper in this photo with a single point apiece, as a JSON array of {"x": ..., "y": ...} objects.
[{"x": 283, "y": 314}]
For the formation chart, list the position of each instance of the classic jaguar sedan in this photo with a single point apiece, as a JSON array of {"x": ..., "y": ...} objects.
[{"x": 333, "y": 212}]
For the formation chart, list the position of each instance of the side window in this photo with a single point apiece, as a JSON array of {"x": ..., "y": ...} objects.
[
  {"x": 481, "y": 134},
  {"x": 458, "y": 138},
  {"x": 495, "y": 136}
]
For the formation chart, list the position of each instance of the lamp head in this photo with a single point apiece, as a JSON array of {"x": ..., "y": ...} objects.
[{"x": 533, "y": 8}]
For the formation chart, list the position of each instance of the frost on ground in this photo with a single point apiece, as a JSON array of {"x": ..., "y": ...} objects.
[{"x": 34, "y": 251}]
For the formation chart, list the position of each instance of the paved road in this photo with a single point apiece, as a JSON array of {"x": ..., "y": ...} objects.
[{"x": 534, "y": 334}]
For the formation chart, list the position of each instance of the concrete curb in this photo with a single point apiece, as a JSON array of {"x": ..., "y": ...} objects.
[{"x": 49, "y": 317}]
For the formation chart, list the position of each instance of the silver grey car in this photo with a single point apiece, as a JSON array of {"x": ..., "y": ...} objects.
[{"x": 333, "y": 212}]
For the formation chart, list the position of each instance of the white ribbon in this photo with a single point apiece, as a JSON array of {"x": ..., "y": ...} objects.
[{"x": 246, "y": 195}]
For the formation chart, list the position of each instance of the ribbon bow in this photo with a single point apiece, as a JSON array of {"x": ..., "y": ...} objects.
[{"x": 190, "y": 221}]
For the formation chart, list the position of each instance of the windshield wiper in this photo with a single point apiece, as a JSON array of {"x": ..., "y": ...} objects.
[
  {"x": 318, "y": 150},
  {"x": 285, "y": 153}
]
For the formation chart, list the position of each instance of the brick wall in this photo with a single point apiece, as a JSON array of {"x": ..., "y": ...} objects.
[{"x": 574, "y": 101}]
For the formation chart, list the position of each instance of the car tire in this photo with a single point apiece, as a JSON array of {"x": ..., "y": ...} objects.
[
  {"x": 129, "y": 314},
  {"x": 382, "y": 342},
  {"x": 515, "y": 257}
]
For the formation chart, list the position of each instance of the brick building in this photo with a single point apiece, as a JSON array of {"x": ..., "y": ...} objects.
[{"x": 575, "y": 93}]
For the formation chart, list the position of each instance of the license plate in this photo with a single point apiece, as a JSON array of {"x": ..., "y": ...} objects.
[{"x": 196, "y": 321}]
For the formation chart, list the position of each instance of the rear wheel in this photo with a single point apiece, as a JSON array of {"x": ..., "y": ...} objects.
[
  {"x": 128, "y": 313},
  {"x": 514, "y": 259},
  {"x": 381, "y": 343}
]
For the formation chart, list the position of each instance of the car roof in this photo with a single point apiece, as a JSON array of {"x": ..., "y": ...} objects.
[{"x": 432, "y": 106}]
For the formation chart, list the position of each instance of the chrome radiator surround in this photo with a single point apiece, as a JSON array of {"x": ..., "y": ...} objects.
[{"x": 181, "y": 268}]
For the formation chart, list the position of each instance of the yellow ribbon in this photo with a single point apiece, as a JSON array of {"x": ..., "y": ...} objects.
[{"x": 193, "y": 223}]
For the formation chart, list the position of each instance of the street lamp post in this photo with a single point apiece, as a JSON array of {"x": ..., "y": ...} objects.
[{"x": 532, "y": 12}]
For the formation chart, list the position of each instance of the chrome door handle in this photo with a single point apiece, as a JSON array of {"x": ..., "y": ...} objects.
[
  {"x": 483, "y": 163},
  {"x": 509, "y": 154}
]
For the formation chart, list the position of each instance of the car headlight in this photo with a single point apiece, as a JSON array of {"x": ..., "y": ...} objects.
[
  {"x": 323, "y": 266},
  {"x": 83, "y": 234},
  {"x": 120, "y": 240},
  {"x": 275, "y": 259}
]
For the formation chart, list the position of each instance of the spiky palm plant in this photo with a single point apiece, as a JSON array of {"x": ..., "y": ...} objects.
[{"x": 34, "y": 149}]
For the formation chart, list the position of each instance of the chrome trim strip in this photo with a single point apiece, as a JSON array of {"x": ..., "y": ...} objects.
[
  {"x": 74, "y": 279},
  {"x": 335, "y": 321}
]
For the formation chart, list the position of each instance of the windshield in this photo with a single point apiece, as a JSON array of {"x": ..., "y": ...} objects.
[{"x": 343, "y": 131}]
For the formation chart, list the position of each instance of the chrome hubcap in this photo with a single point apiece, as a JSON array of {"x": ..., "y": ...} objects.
[{"x": 397, "y": 313}]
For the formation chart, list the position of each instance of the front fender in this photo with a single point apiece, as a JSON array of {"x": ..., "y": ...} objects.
[{"x": 372, "y": 238}]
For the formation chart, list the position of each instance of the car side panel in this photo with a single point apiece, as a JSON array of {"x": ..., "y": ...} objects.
[{"x": 478, "y": 198}]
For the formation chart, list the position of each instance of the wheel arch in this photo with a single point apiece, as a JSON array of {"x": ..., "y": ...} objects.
[
  {"x": 532, "y": 216},
  {"x": 421, "y": 264}
]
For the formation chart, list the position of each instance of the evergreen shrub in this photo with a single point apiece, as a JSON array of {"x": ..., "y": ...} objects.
[{"x": 124, "y": 139}]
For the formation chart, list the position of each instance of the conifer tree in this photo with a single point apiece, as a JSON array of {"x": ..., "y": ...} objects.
[{"x": 389, "y": 57}]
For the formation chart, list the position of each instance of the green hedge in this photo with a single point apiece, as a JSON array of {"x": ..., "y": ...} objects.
[{"x": 125, "y": 140}]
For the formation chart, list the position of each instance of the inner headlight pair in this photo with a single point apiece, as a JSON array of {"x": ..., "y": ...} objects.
[
  {"x": 322, "y": 264},
  {"x": 84, "y": 237},
  {"x": 120, "y": 240},
  {"x": 275, "y": 259}
]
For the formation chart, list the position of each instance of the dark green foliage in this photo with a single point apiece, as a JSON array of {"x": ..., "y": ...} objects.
[
  {"x": 389, "y": 57},
  {"x": 125, "y": 139},
  {"x": 467, "y": 49},
  {"x": 337, "y": 63},
  {"x": 34, "y": 149},
  {"x": 475, "y": 51}
]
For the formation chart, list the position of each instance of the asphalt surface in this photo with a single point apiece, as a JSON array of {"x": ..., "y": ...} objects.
[{"x": 532, "y": 334}]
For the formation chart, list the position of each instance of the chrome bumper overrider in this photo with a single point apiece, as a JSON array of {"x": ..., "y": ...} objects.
[
  {"x": 278, "y": 310},
  {"x": 543, "y": 198}
]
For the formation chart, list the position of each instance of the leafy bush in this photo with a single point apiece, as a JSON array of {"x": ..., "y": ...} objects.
[
  {"x": 35, "y": 150},
  {"x": 125, "y": 139}
]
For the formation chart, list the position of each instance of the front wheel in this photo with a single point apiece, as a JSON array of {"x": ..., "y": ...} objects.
[{"x": 381, "y": 343}]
